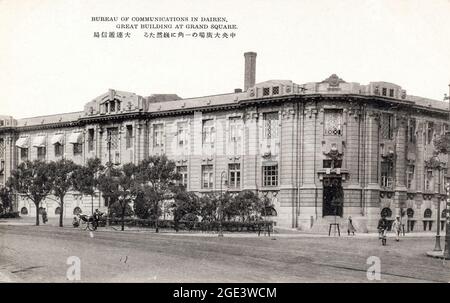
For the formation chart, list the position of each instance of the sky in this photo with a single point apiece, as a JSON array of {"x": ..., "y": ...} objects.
[{"x": 51, "y": 63}]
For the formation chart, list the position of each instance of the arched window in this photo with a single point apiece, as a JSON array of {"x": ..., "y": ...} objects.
[
  {"x": 57, "y": 210},
  {"x": 427, "y": 213},
  {"x": 386, "y": 212},
  {"x": 24, "y": 211},
  {"x": 76, "y": 210},
  {"x": 410, "y": 212}
]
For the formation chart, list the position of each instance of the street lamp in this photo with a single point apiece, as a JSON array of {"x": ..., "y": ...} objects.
[
  {"x": 223, "y": 174},
  {"x": 447, "y": 186},
  {"x": 108, "y": 173},
  {"x": 437, "y": 246},
  {"x": 447, "y": 221}
]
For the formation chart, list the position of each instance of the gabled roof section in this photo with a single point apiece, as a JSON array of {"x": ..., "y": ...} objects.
[{"x": 115, "y": 102}]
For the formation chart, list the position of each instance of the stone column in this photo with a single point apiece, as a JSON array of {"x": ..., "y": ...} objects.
[{"x": 400, "y": 165}]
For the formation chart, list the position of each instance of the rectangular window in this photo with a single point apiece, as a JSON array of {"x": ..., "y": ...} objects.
[
  {"x": 270, "y": 125},
  {"x": 387, "y": 126},
  {"x": 58, "y": 149},
  {"x": 387, "y": 173},
  {"x": 2, "y": 167},
  {"x": 207, "y": 176},
  {"x": 391, "y": 92},
  {"x": 2, "y": 123},
  {"x": 182, "y": 134},
  {"x": 24, "y": 154},
  {"x": 409, "y": 176},
  {"x": 430, "y": 132},
  {"x": 235, "y": 129},
  {"x": 112, "y": 138},
  {"x": 77, "y": 149},
  {"x": 182, "y": 170},
  {"x": 129, "y": 137},
  {"x": 208, "y": 133},
  {"x": 444, "y": 128},
  {"x": 333, "y": 122},
  {"x": 332, "y": 163},
  {"x": 266, "y": 91},
  {"x": 234, "y": 175},
  {"x": 412, "y": 131},
  {"x": 275, "y": 90},
  {"x": 41, "y": 153},
  {"x": 91, "y": 139},
  {"x": 270, "y": 175},
  {"x": 428, "y": 179},
  {"x": 158, "y": 134},
  {"x": 113, "y": 106},
  {"x": 384, "y": 91}
]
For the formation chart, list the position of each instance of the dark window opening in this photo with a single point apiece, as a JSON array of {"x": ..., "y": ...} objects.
[
  {"x": 77, "y": 148},
  {"x": 129, "y": 136},
  {"x": 91, "y": 139},
  {"x": 58, "y": 150}
]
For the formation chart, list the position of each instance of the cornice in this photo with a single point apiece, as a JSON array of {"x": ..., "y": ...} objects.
[{"x": 244, "y": 103}]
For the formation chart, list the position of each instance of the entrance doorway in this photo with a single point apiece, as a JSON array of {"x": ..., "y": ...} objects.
[{"x": 333, "y": 197}]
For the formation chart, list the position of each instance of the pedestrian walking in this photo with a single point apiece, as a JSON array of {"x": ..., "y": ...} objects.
[
  {"x": 382, "y": 229},
  {"x": 350, "y": 227},
  {"x": 404, "y": 223},
  {"x": 44, "y": 216},
  {"x": 396, "y": 227}
]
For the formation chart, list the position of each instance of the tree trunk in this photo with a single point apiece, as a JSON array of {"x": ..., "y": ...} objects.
[
  {"x": 157, "y": 218},
  {"x": 123, "y": 217},
  {"x": 37, "y": 213},
  {"x": 62, "y": 212}
]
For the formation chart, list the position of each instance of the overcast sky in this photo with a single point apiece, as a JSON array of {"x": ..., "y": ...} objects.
[{"x": 51, "y": 63}]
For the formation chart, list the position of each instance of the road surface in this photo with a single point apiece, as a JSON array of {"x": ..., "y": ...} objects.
[{"x": 40, "y": 254}]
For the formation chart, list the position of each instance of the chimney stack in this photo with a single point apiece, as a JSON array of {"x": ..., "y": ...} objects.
[{"x": 250, "y": 70}]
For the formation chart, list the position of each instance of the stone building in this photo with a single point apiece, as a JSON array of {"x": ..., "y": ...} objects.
[{"x": 317, "y": 150}]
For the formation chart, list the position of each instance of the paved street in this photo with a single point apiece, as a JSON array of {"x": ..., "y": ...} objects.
[{"x": 39, "y": 254}]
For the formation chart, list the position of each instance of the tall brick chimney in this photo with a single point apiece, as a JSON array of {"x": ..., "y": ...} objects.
[{"x": 250, "y": 70}]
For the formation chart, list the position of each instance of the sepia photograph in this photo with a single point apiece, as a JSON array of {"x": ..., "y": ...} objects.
[{"x": 218, "y": 142}]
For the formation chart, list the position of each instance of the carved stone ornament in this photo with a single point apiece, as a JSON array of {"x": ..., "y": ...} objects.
[
  {"x": 433, "y": 163},
  {"x": 333, "y": 80},
  {"x": 267, "y": 155}
]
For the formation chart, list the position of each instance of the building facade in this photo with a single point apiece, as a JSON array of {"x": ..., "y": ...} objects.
[{"x": 316, "y": 150}]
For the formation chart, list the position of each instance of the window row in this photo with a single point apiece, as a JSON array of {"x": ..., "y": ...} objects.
[
  {"x": 429, "y": 176},
  {"x": 233, "y": 180}
]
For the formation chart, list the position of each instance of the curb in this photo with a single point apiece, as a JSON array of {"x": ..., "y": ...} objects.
[{"x": 436, "y": 254}]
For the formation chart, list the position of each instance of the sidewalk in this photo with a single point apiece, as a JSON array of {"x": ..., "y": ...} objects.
[{"x": 278, "y": 233}]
